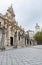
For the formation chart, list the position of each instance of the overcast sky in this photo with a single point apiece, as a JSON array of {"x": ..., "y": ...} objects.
[{"x": 28, "y": 12}]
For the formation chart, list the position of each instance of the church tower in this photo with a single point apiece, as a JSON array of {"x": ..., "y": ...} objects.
[{"x": 37, "y": 28}]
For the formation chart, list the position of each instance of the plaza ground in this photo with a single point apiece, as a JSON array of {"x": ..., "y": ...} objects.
[{"x": 22, "y": 56}]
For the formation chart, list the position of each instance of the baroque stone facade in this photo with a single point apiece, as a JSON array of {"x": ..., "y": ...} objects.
[{"x": 13, "y": 35}]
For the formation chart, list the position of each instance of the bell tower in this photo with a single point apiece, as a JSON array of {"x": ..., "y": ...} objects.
[{"x": 37, "y": 28}]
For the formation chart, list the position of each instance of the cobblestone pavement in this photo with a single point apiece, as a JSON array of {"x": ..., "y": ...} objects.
[{"x": 22, "y": 56}]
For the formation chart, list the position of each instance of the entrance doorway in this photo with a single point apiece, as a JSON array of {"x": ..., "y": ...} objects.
[{"x": 11, "y": 41}]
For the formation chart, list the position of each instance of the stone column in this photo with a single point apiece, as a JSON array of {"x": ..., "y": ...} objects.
[
  {"x": 23, "y": 42},
  {"x": 26, "y": 41},
  {"x": 17, "y": 34},
  {"x": 3, "y": 38},
  {"x": 17, "y": 39},
  {"x": 9, "y": 34}
]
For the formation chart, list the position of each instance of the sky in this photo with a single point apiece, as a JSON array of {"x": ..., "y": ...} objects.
[{"x": 28, "y": 12}]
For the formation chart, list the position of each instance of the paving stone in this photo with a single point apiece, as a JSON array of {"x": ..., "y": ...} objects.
[{"x": 23, "y": 56}]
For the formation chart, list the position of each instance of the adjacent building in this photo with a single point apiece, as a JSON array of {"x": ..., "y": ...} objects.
[{"x": 31, "y": 40}]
